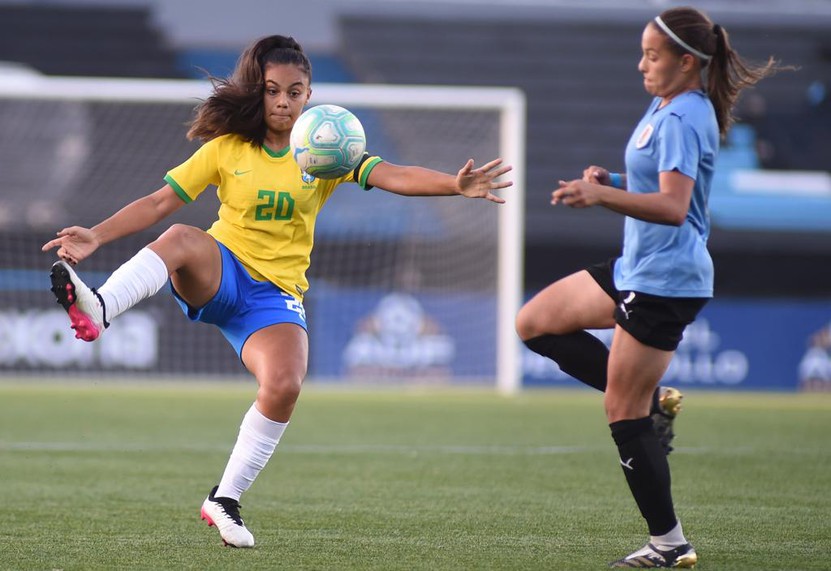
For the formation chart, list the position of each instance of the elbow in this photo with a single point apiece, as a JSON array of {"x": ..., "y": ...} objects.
[
  {"x": 677, "y": 219},
  {"x": 674, "y": 216},
  {"x": 670, "y": 219}
]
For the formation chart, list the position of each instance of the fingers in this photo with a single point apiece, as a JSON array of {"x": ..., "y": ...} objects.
[
  {"x": 496, "y": 199},
  {"x": 561, "y": 194},
  {"x": 596, "y": 175},
  {"x": 500, "y": 172},
  {"x": 67, "y": 258},
  {"x": 71, "y": 231},
  {"x": 467, "y": 169},
  {"x": 51, "y": 244},
  {"x": 62, "y": 234},
  {"x": 488, "y": 166},
  {"x": 591, "y": 174}
]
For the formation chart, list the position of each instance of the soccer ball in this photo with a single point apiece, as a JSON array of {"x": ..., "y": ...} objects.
[{"x": 327, "y": 141}]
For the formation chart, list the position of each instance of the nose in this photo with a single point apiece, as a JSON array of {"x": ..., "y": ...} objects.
[{"x": 281, "y": 100}]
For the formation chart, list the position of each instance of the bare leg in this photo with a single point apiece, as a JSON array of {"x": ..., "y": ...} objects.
[
  {"x": 277, "y": 357},
  {"x": 573, "y": 303}
]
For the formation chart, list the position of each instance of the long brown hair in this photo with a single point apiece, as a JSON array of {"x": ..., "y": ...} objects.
[
  {"x": 236, "y": 105},
  {"x": 727, "y": 72}
]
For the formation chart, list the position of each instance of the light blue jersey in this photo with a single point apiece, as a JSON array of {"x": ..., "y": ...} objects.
[{"x": 658, "y": 259}]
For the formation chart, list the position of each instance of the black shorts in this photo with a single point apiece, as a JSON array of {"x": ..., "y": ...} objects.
[{"x": 653, "y": 320}]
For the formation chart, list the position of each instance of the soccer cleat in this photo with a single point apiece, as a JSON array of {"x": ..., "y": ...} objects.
[
  {"x": 83, "y": 304},
  {"x": 224, "y": 514},
  {"x": 682, "y": 557},
  {"x": 663, "y": 416}
]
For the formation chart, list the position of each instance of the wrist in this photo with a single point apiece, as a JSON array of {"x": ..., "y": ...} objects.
[
  {"x": 98, "y": 236},
  {"x": 616, "y": 179}
]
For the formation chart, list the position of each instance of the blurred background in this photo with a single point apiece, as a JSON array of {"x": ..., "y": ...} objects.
[{"x": 63, "y": 162}]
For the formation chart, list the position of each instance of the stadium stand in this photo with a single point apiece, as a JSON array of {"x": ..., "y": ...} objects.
[
  {"x": 584, "y": 95},
  {"x": 576, "y": 67},
  {"x": 85, "y": 40}
]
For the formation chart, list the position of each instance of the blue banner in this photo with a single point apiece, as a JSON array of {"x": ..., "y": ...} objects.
[
  {"x": 374, "y": 335},
  {"x": 735, "y": 344}
]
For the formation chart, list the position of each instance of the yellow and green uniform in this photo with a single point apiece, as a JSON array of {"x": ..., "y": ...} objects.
[{"x": 268, "y": 206}]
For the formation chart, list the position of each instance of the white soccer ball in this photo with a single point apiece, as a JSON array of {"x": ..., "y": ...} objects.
[{"x": 327, "y": 141}]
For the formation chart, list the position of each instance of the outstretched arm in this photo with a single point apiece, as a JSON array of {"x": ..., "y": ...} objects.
[
  {"x": 667, "y": 206},
  {"x": 76, "y": 243},
  {"x": 418, "y": 181}
]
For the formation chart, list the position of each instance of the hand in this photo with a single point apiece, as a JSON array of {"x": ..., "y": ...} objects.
[
  {"x": 478, "y": 183},
  {"x": 597, "y": 175},
  {"x": 576, "y": 193},
  {"x": 74, "y": 244}
]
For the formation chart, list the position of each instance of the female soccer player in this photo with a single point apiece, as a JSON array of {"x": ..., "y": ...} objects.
[
  {"x": 665, "y": 274},
  {"x": 247, "y": 273}
]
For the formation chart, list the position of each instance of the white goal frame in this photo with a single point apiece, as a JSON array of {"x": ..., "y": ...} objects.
[{"x": 509, "y": 103}]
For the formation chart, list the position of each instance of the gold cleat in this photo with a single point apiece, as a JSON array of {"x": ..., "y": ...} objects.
[
  {"x": 669, "y": 405},
  {"x": 650, "y": 557},
  {"x": 670, "y": 401}
]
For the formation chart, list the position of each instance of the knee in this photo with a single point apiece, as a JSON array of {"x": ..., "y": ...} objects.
[
  {"x": 183, "y": 239},
  {"x": 179, "y": 235},
  {"x": 279, "y": 390},
  {"x": 178, "y": 244},
  {"x": 527, "y": 324}
]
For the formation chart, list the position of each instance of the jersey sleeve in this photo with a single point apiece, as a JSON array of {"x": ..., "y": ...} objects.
[
  {"x": 361, "y": 173},
  {"x": 194, "y": 175},
  {"x": 678, "y": 147}
]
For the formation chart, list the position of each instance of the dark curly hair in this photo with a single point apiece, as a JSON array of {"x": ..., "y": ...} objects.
[{"x": 236, "y": 105}]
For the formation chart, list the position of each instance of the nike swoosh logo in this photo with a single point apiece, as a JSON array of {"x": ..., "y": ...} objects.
[
  {"x": 627, "y": 464},
  {"x": 237, "y": 172}
]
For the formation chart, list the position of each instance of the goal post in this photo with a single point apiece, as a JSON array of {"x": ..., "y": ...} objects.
[{"x": 456, "y": 265}]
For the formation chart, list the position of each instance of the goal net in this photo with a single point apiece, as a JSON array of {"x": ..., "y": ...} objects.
[{"x": 403, "y": 290}]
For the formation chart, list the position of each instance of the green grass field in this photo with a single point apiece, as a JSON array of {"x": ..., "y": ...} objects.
[{"x": 110, "y": 476}]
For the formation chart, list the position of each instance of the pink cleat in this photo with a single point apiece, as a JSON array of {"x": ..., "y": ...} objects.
[
  {"x": 224, "y": 514},
  {"x": 83, "y": 304}
]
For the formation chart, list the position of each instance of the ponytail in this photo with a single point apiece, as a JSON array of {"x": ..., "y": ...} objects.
[{"x": 727, "y": 72}]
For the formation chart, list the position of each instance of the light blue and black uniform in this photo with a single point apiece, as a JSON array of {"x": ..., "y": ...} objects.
[{"x": 662, "y": 260}]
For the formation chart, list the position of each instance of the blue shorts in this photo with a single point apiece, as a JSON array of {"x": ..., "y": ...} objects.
[{"x": 243, "y": 305}]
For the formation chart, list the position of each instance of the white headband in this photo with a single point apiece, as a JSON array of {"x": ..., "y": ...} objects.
[{"x": 681, "y": 42}]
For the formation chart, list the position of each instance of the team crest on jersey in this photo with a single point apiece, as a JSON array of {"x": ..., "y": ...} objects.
[
  {"x": 307, "y": 178},
  {"x": 644, "y": 137}
]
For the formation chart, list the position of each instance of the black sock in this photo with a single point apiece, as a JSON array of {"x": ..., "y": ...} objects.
[
  {"x": 579, "y": 354},
  {"x": 646, "y": 469}
]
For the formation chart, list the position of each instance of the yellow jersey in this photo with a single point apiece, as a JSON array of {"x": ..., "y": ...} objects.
[{"x": 268, "y": 206}]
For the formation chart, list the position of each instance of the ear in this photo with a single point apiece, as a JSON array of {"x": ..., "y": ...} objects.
[{"x": 687, "y": 62}]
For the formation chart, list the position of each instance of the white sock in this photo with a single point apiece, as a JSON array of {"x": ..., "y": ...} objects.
[
  {"x": 258, "y": 437},
  {"x": 669, "y": 540},
  {"x": 138, "y": 278}
]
